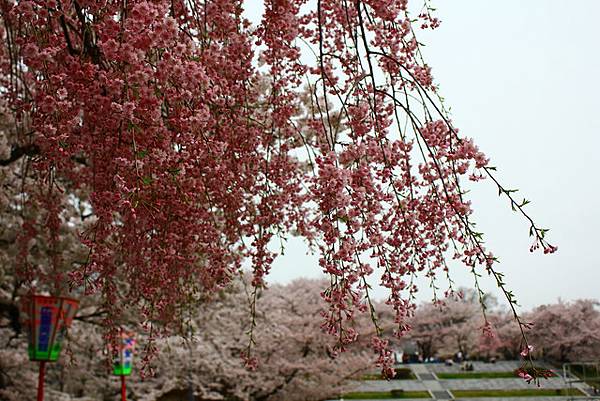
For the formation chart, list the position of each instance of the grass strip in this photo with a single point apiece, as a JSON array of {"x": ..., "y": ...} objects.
[
  {"x": 385, "y": 395},
  {"x": 529, "y": 392}
]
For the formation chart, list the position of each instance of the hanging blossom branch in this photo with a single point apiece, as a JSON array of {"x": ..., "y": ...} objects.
[
  {"x": 197, "y": 158},
  {"x": 528, "y": 371}
]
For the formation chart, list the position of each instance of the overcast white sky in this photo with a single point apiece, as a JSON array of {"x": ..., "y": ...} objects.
[{"x": 522, "y": 78}]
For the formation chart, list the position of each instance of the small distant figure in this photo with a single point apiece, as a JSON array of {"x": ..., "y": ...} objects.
[
  {"x": 449, "y": 362},
  {"x": 467, "y": 366},
  {"x": 493, "y": 359}
]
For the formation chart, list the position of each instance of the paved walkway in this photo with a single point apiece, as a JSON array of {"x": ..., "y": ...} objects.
[
  {"x": 500, "y": 384},
  {"x": 553, "y": 398},
  {"x": 427, "y": 381}
]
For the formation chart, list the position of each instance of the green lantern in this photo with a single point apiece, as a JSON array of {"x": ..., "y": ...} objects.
[{"x": 123, "y": 361}]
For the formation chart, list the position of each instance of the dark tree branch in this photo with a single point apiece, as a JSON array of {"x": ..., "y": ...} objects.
[
  {"x": 70, "y": 47},
  {"x": 89, "y": 317},
  {"x": 19, "y": 151}
]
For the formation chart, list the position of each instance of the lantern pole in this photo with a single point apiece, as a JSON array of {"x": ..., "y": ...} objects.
[
  {"x": 123, "y": 389},
  {"x": 40, "y": 389}
]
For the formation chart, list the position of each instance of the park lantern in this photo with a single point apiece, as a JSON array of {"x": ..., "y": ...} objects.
[
  {"x": 47, "y": 319},
  {"x": 123, "y": 359}
]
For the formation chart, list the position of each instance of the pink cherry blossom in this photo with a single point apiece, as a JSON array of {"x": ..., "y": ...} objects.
[{"x": 197, "y": 141}]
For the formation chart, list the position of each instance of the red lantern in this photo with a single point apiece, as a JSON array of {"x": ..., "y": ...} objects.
[{"x": 47, "y": 319}]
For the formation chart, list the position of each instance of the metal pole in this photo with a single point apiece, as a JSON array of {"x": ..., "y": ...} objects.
[
  {"x": 123, "y": 389},
  {"x": 40, "y": 389}
]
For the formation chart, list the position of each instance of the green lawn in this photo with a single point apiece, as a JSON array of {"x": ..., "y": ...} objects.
[
  {"x": 385, "y": 395},
  {"x": 476, "y": 375},
  {"x": 533, "y": 392}
]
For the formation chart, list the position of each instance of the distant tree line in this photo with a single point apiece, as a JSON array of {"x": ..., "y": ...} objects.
[{"x": 560, "y": 332}]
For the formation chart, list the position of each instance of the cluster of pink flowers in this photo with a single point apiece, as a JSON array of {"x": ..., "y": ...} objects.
[{"x": 195, "y": 160}]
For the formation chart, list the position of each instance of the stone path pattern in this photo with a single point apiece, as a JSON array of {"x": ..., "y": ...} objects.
[{"x": 426, "y": 381}]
